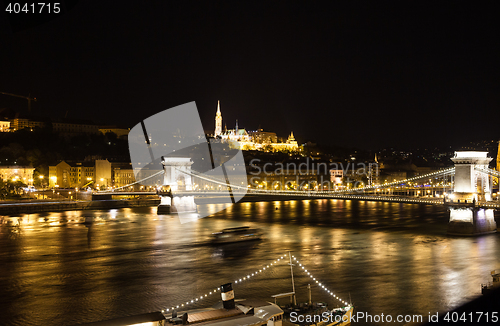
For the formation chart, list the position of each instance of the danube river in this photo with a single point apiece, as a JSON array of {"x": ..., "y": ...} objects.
[{"x": 388, "y": 258}]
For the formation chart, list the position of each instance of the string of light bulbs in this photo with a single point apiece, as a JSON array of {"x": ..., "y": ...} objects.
[
  {"x": 247, "y": 277},
  {"x": 318, "y": 282}
]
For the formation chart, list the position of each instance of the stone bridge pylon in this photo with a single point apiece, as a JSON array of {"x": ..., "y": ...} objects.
[
  {"x": 176, "y": 178},
  {"x": 471, "y": 188}
]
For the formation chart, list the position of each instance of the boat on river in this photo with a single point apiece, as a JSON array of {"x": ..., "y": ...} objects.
[
  {"x": 238, "y": 234},
  {"x": 313, "y": 313},
  {"x": 230, "y": 312},
  {"x": 257, "y": 312},
  {"x": 320, "y": 316},
  {"x": 490, "y": 286}
]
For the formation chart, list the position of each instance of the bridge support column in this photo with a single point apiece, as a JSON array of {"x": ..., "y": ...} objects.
[
  {"x": 470, "y": 185},
  {"x": 471, "y": 221},
  {"x": 165, "y": 202},
  {"x": 176, "y": 178}
]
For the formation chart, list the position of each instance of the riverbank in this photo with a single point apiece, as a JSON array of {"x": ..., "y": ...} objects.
[
  {"x": 28, "y": 207},
  {"x": 54, "y": 206}
]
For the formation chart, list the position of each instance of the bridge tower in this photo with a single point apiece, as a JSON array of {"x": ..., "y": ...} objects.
[
  {"x": 176, "y": 179},
  {"x": 471, "y": 186}
]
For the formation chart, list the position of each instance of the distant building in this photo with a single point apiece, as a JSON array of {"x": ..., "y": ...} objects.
[
  {"x": 123, "y": 176},
  {"x": 80, "y": 174},
  {"x": 4, "y": 126},
  {"x": 21, "y": 123},
  {"x": 264, "y": 137},
  {"x": 256, "y": 140},
  {"x": 69, "y": 128},
  {"x": 91, "y": 173},
  {"x": 336, "y": 176},
  {"x": 71, "y": 175},
  {"x": 103, "y": 173},
  {"x": 120, "y": 132},
  {"x": 17, "y": 173},
  {"x": 64, "y": 127}
]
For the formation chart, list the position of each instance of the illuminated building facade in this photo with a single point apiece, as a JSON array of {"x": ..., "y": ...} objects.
[
  {"x": 80, "y": 174},
  {"x": 123, "y": 177},
  {"x": 4, "y": 126},
  {"x": 20, "y": 123},
  {"x": 261, "y": 140},
  {"x": 17, "y": 173},
  {"x": 95, "y": 173},
  {"x": 120, "y": 132}
]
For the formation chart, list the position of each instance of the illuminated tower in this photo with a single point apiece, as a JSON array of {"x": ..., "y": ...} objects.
[
  {"x": 218, "y": 121},
  {"x": 498, "y": 157},
  {"x": 471, "y": 185}
]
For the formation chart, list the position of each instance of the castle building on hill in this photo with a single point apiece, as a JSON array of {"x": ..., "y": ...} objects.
[{"x": 261, "y": 140}]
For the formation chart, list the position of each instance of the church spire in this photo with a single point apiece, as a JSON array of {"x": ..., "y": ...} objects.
[
  {"x": 498, "y": 157},
  {"x": 218, "y": 121}
]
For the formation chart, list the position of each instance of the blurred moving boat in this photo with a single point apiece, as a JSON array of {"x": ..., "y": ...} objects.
[{"x": 239, "y": 234}]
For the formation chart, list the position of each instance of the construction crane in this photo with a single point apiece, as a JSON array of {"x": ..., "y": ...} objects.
[{"x": 29, "y": 98}]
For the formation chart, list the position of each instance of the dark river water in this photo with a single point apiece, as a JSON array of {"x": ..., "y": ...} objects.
[{"x": 388, "y": 258}]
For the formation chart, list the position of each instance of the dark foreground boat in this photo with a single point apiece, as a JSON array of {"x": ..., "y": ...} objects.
[
  {"x": 230, "y": 312},
  {"x": 489, "y": 287}
]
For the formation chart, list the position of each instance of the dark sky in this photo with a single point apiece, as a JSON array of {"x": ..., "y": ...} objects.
[{"x": 366, "y": 74}]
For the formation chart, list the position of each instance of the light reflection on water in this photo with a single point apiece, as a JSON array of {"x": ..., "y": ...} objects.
[{"x": 391, "y": 258}]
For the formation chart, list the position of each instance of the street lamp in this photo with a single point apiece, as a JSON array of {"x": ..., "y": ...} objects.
[{"x": 41, "y": 182}]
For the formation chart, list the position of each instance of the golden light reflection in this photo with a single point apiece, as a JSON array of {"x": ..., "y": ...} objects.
[
  {"x": 306, "y": 235},
  {"x": 337, "y": 239}
]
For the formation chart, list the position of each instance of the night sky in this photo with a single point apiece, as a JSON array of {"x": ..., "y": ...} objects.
[{"x": 364, "y": 74}]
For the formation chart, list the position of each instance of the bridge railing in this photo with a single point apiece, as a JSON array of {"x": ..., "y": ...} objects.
[{"x": 488, "y": 171}]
